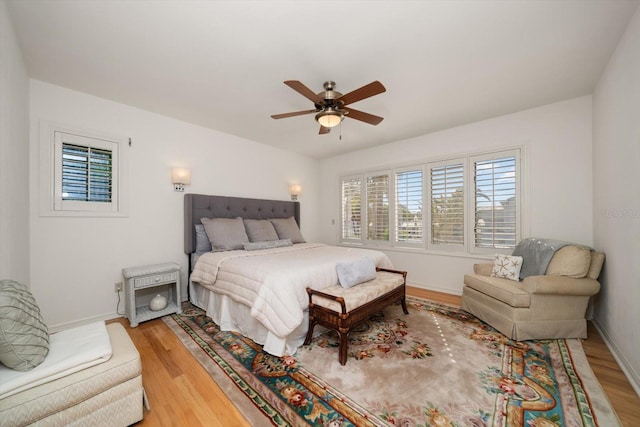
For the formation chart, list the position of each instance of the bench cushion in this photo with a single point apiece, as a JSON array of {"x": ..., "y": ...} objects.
[{"x": 360, "y": 294}]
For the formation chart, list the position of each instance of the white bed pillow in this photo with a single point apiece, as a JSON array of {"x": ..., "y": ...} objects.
[
  {"x": 287, "y": 228},
  {"x": 225, "y": 234},
  {"x": 351, "y": 273}
]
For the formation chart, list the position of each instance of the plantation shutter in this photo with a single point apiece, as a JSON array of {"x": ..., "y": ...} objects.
[
  {"x": 351, "y": 208},
  {"x": 377, "y": 188},
  {"x": 408, "y": 209},
  {"x": 496, "y": 202},
  {"x": 447, "y": 204},
  {"x": 86, "y": 173}
]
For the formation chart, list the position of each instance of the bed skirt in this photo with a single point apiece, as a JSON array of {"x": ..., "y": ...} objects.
[{"x": 230, "y": 315}]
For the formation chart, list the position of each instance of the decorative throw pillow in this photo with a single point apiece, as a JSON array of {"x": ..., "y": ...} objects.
[
  {"x": 287, "y": 228},
  {"x": 267, "y": 244},
  {"x": 351, "y": 273},
  {"x": 225, "y": 234},
  {"x": 202, "y": 240},
  {"x": 260, "y": 230},
  {"x": 571, "y": 261},
  {"x": 507, "y": 267},
  {"x": 24, "y": 337}
]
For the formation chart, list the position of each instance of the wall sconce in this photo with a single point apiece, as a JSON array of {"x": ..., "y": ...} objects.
[
  {"x": 180, "y": 177},
  {"x": 295, "y": 190}
]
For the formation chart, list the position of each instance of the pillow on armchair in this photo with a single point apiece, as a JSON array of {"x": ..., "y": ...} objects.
[
  {"x": 507, "y": 267},
  {"x": 571, "y": 261},
  {"x": 24, "y": 337}
]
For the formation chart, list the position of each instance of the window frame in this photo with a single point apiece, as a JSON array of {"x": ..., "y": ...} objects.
[
  {"x": 365, "y": 211},
  {"x": 342, "y": 213},
  {"x": 396, "y": 241},
  {"x": 449, "y": 247},
  {"x": 495, "y": 155},
  {"x": 468, "y": 160},
  {"x": 52, "y": 136}
]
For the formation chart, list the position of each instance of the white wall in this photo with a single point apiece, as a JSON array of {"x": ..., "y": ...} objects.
[
  {"x": 76, "y": 261},
  {"x": 557, "y": 138},
  {"x": 14, "y": 156},
  {"x": 616, "y": 167}
]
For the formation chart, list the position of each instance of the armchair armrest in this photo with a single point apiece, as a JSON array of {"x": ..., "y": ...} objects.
[
  {"x": 560, "y": 285},
  {"x": 483, "y": 269}
]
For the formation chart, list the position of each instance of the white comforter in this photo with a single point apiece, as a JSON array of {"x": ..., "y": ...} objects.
[{"x": 273, "y": 281}]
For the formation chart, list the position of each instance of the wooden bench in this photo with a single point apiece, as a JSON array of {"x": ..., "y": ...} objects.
[{"x": 342, "y": 309}]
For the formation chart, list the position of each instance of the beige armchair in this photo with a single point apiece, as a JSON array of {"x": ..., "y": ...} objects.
[{"x": 552, "y": 305}]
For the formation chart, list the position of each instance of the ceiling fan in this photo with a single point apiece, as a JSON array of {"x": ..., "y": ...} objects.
[{"x": 331, "y": 106}]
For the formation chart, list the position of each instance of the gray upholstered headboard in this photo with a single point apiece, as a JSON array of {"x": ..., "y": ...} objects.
[{"x": 197, "y": 206}]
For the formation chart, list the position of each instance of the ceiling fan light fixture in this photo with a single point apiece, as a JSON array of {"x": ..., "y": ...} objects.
[{"x": 329, "y": 118}]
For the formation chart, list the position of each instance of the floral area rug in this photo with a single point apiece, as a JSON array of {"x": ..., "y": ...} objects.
[{"x": 436, "y": 366}]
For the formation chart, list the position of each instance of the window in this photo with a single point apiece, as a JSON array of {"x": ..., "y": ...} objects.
[
  {"x": 408, "y": 209},
  {"x": 473, "y": 205},
  {"x": 83, "y": 173},
  {"x": 496, "y": 204},
  {"x": 351, "y": 209},
  {"x": 446, "y": 183},
  {"x": 378, "y": 207}
]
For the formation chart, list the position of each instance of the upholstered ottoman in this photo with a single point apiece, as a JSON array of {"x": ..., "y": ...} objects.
[{"x": 109, "y": 393}]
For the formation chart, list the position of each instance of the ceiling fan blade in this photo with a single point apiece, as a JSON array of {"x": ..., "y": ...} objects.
[
  {"x": 295, "y": 113},
  {"x": 304, "y": 91},
  {"x": 324, "y": 130},
  {"x": 362, "y": 116},
  {"x": 373, "y": 88}
]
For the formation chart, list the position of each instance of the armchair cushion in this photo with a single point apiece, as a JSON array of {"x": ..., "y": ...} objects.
[
  {"x": 505, "y": 290},
  {"x": 560, "y": 285},
  {"x": 570, "y": 261}
]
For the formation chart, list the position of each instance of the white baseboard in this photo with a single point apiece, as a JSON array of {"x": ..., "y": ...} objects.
[
  {"x": 627, "y": 369},
  {"x": 68, "y": 325}
]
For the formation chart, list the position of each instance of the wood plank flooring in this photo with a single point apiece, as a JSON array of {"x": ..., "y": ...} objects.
[{"x": 181, "y": 393}]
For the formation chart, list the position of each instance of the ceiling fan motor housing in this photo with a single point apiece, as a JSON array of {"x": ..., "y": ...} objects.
[{"x": 329, "y": 94}]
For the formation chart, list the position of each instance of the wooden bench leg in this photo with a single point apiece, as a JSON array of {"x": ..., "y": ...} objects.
[
  {"x": 403, "y": 301},
  {"x": 344, "y": 344},
  {"x": 312, "y": 324}
]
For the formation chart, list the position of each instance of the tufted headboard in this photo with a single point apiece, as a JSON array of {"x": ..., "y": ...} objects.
[{"x": 197, "y": 206}]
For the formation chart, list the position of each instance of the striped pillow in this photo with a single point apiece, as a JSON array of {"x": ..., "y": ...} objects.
[{"x": 24, "y": 337}]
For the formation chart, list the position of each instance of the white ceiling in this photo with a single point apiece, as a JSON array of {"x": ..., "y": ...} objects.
[{"x": 221, "y": 64}]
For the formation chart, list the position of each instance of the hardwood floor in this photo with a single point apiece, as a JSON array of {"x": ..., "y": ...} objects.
[{"x": 181, "y": 392}]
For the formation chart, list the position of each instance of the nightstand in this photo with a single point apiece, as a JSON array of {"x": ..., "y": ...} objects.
[{"x": 142, "y": 283}]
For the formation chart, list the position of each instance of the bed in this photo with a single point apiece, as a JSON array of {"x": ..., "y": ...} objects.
[{"x": 259, "y": 290}]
